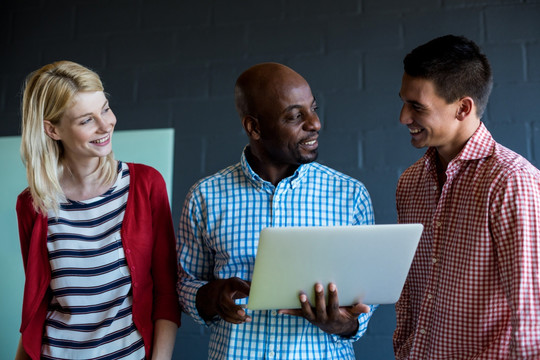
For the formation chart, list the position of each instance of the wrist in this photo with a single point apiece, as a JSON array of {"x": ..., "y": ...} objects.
[
  {"x": 203, "y": 303},
  {"x": 350, "y": 330}
]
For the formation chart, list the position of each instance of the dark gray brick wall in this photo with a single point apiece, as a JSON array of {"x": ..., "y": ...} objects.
[{"x": 173, "y": 64}]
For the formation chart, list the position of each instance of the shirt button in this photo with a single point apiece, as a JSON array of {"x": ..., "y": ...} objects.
[
  {"x": 435, "y": 187},
  {"x": 271, "y": 354},
  {"x": 422, "y": 331},
  {"x": 273, "y": 312},
  {"x": 438, "y": 224},
  {"x": 434, "y": 260},
  {"x": 429, "y": 296}
]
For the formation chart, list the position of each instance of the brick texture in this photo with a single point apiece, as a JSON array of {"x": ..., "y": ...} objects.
[{"x": 172, "y": 63}]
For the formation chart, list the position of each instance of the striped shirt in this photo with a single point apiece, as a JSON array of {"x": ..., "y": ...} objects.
[
  {"x": 473, "y": 290},
  {"x": 89, "y": 316},
  {"x": 218, "y": 236}
]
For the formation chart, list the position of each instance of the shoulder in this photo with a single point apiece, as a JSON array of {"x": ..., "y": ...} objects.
[
  {"x": 24, "y": 203},
  {"x": 24, "y": 197},
  {"x": 507, "y": 164},
  {"x": 412, "y": 171},
  {"x": 323, "y": 173},
  {"x": 142, "y": 170},
  {"x": 25, "y": 208},
  {"x": 141, "y": 173},
  {"x": 224, "y": 177},
  {"x": 416, "y": 167}
]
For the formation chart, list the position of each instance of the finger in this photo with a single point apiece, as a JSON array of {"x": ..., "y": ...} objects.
[
  {"x": 320, "y": 303},
  {"x": 240, "y": 288},
  {"x": 242, "y": 315},
  {"x": 306, "y": 309},
  {"x": 333, "y": 301},
  {"x": 228, "y": 309},
  {"x": 304, "y": 306},
  {"x": 358, "y": 309},
  {"x": 294, "y": 312},
  {"x": 235, "y": 315}
]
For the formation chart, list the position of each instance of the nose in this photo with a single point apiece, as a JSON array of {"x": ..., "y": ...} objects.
[
  {"x": 106, "y": 123},
  {"x": 103, "y": 124},
  {"x": 405, "y": 115},
  {"x": 312, "y": 123}
]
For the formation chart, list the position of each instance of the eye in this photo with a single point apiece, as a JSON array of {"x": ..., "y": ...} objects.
[
  {"x": 417, "y": 107},
  {"x": 86, "y": 121},
  {"x": 294, "y": 116}
]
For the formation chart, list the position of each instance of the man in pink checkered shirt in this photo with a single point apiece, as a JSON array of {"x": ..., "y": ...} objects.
[{"x": 473, "y": 289}]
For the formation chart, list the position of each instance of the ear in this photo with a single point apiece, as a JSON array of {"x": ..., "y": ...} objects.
[
  {"x": 251, "y": 126},
  {"x": 466, "y": 107},
  {"x": 50, "y": 130}
]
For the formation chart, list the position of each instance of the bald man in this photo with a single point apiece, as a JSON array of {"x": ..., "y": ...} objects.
[{"x": 276, "y": 183}]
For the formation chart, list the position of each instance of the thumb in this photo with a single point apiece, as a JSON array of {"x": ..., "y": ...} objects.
[{"x": 360, "y": 309}]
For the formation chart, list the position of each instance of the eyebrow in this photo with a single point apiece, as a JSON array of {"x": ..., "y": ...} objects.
[
  {"x": 296, "y": 106},
  {"x": 88, "y": 114},
  {"x": 412, "y": 102}
]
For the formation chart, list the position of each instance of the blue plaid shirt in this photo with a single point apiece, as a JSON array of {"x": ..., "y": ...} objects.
[{"x": 218, "y": 237}]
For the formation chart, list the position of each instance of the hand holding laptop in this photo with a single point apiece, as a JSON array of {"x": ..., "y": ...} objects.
[
  {"x": 290, "y": 259},
  {"x": 383, "y": 251},
  {"x": 217, "y": 298},
  {"x": 332, "y": 319}
]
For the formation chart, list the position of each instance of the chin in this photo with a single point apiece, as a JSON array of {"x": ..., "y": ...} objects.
[
  {"x": 308, "y": 159},
  {"x": 418, "y": 145}
]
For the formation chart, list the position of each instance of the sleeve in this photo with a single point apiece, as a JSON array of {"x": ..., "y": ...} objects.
[
  {"x": 515, "y": 225},
  {"x": 404, "y": 329},
  {"x": 165, "y": 302},
  {"x": 363, "y": 321},
  {"x": 363, "y": 208},
  {"x": 195, "y": 260},
  {"x": 25, "y": 218},
  {"x": 402, "y": 334}
]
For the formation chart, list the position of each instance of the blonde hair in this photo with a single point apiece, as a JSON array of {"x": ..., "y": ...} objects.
[{"x": 48, "y": 93}]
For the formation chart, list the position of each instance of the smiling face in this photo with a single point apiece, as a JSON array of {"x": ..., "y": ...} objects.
[
  {"x": 279, "y": 114},
  {"x": 430, "y": 119},
  {"x": 85, "y": 129},
  {"x": 289, "y": 124}
]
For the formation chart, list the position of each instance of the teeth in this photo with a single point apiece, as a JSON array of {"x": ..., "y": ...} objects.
[
  {"x": 414, "y": 131},
  {"x": 100, "y": 141},
  {"x": 310, "y": 142}
]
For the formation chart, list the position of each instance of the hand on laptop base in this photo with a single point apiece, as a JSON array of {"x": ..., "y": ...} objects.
[{"x": 330, "y": 318}]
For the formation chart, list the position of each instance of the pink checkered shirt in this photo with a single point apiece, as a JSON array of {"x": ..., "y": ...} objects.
[{"x": 473, "y": 290}]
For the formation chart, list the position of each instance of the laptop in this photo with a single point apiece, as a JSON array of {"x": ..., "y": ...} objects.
[{"x": 368, "y": 263}]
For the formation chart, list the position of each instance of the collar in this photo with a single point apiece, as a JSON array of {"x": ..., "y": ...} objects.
[
  {"x": 480, "y": 145},
  {"x": 290, "y": 182}
]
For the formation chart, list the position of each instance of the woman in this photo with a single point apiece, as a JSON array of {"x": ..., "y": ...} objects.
[{"x": 96, "y": 234}]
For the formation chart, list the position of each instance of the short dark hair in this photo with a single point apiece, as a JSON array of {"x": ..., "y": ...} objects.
[{"x": 457, "y": 68}]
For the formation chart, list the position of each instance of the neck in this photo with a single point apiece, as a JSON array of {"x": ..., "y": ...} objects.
[
  {"x": 441, "y": 171},
  {"x": 82, "y": 181},
  {"x": 268, "y": 170},
  {"x": 462, "y": 135},
  {"x": 81, "y": 172}
]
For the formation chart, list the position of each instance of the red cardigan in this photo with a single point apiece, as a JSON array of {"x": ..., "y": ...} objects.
[{"x": 149, "y": 244}]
